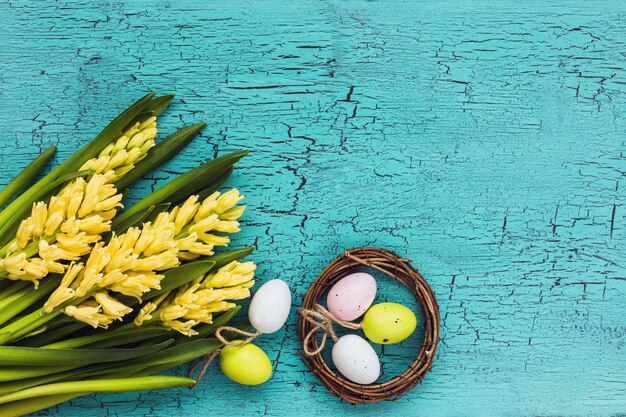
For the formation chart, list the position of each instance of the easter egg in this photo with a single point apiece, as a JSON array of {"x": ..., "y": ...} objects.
[
  {"x": 246, "y": 364},
  {"x": 351, "y": 296},
  {"x": 356, "y": 359},
  {"x": 270, "y": 306},
  {"x": 387, "y": 323}
]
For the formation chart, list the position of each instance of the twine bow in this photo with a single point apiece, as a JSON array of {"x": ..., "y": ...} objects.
[
  {"x": 206, "y": 360},
  {"x": 322, "y": 319}
]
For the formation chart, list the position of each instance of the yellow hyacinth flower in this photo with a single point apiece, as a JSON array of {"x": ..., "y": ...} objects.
[
  {"x": 115, "y": 268},
  {"x": 63, "y": 292},
  {"x": 111, "y": 306},
  {"x": 130, "y": 264},
  {"x": 195, "y": 303},
  {"x": 196, "y": 223},
  {"x": 145, "y": 313},
  {"x": 119, "y": 157},
  {"x": 66, "y": 228},
  {"x": 183, "y": 327},
  {"x": 91, "y": 313},
  {"x": 235, "y": 273}
]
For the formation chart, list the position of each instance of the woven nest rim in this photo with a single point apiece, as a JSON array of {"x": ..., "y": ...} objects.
[{"x": 401, "y": 269}]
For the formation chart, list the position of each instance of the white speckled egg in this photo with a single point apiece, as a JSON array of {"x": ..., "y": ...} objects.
[
  {"x": 270, "y": 306},
  {"x": 351, "y": 296},
  {"x": 356, "y": 359}
]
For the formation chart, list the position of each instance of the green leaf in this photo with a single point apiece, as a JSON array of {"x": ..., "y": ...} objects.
[
  {"x": 179, "y": 276},
  {"x": 110, "y": 338},
  {"x": 159, "y": 104},
  {"x": 155, "y": 107},
  {"x": 211, "y": 187},
  {"x": 224, "y": 258},
  {"x": 161, "y": 153},
  {"x": 131, "y": 221},
  {"x": 54, "y": 335},
  {"x": 184, "y": 185},
  {"x": 206, "y": 174},
  {"x": 174, "y": 356},
  {"x": 56, "y": 184},
  {"x": 101, "y": 385},
  {"x": 32, "y": 356},
  {"x": 187, "y": 349},
  {"x": 160, "y": 208},
  {"x": 23, "y": 178},
  {"x": 8, "y": 301}
]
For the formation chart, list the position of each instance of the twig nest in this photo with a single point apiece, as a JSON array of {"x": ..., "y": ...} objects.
[{"x": 362, "y": 391}]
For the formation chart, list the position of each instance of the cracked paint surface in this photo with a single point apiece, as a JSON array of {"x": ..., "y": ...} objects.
[{"x": 486, "y": 142}]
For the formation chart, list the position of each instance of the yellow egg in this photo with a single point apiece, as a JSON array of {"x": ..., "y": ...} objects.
[
  {"x": 387, "y": 323},
  {"x": 246, "y": 364}
]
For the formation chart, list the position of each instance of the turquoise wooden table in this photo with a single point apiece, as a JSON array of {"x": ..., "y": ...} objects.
[{"x": 484, "y": 141}]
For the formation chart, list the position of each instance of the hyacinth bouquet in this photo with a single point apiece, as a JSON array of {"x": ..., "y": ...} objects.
[{"x": 96, "y": 296}]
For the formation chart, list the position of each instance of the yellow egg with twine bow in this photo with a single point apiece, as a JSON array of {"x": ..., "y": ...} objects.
[
  {"x": 388, "y": 323},
  {"x": 245, "y": 364}
]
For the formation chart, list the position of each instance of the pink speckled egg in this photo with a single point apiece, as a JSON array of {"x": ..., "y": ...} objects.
[{"x": 351, "y": 296}]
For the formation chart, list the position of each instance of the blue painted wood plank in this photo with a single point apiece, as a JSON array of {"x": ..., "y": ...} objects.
[{"x": 485, "y": 141}]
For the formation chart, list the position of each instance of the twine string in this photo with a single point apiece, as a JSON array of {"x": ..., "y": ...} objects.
[
  {"x": 206, "y": 360},
  {"x": 322, "y": 319},
  {"x": 249, "y": 337}
]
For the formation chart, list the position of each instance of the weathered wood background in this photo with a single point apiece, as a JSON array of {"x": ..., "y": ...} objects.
[{"x": 485, "y": 141}]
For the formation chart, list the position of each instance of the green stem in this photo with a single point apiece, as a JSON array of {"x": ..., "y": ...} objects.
[
  {"x": 144, "y": 383},
  {"x": 12, "y": 288},
  {"x": 28, "y": 298},
  {"x": 26, "y": 324},
  {"x": 23, "y": 407}
]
